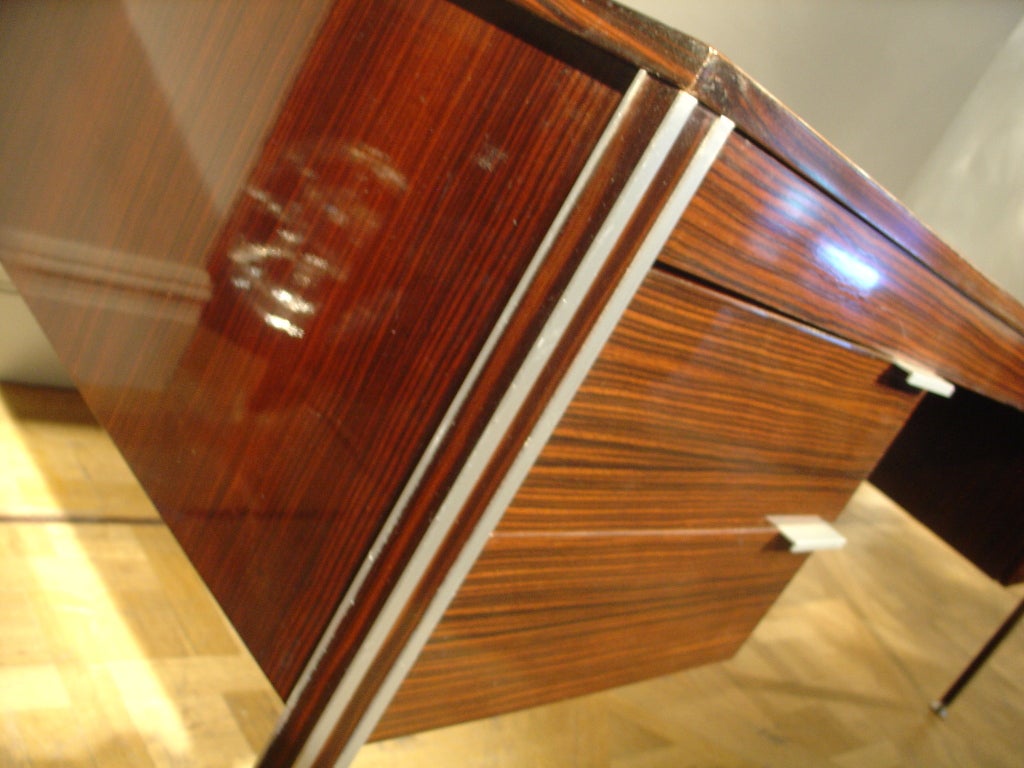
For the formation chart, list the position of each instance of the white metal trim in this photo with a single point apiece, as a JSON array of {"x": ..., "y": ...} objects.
[
  {"x": 412, "y": 485},
  {"x": 535, "y": 362},
  {"x": 609, "y": 318}
]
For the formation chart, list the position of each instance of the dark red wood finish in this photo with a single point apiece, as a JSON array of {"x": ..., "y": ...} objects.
[
  {"x": 757, "y": 229},
  {"x": 119, "y": 153},
  {"x": 701, "y": 417},
  {"x": 415, "y": 167},
  {"x": 727, "y": 89},
  {"x": 623, "y": 154},
  {"x": 958, "y": 466},
  {"x": 643, "y": 116},
  {"x": 271, "y": 300}
]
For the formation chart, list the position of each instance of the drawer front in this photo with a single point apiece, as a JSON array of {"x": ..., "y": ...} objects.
[
  {"x": 545, "y": 617},
  {"x": 703, "y": 413},
  {"x": 638, "y": 545},
  {"x": 759, "y": 230}
]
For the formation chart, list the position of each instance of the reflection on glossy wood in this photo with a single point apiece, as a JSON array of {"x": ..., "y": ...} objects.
[
  {"x": 640, "y": 117},
  {"x": 112, "y": 138},
  {"x": 125, "y": 133},
  {"x": 757, "y": 229},
  {"x": 726, "y": 89},
  {"x": 764, "y": 120}
]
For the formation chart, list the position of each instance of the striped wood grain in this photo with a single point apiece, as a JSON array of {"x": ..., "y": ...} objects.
[
  {"x": 759, "y": 230},
  {"x": 638, "y": 543},
  {"x": 704, "y": 413}
]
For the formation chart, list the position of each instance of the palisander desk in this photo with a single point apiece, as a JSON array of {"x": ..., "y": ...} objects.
[{"x": 466, "y": 345}]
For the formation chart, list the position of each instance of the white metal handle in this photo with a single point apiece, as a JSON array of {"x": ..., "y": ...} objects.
[
  {"x": 923, "y": 379},
  {"x": 807, "y": 533}
]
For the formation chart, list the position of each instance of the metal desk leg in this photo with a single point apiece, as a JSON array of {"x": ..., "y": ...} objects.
[{"x": 940, "y": 706}]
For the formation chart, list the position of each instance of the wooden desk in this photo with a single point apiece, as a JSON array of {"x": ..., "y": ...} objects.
[
  {"x": 958, "y": 466},
  {"x": 491, "y": 330}
]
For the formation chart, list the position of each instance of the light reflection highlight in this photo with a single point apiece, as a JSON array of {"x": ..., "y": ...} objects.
[
  {"x": 322, "y": 204},
  {"x": 849, "y": 268}
]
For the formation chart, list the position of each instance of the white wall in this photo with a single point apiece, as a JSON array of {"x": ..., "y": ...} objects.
[
  {"x": 971, "y": 188},
  {"x": 25, "y": 352},
  {"x": 880, "y": 79}
]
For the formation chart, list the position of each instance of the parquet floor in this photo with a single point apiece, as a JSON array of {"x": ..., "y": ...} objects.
[{"x": 113, "y": 654}]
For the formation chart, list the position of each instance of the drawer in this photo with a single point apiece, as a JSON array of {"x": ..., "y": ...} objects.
[
  {"x": 757, "y": 229},
  {"x": 705, "y": 413},
  {"x": 638, "y": 543},
  {"x": 547, "y": 616}
]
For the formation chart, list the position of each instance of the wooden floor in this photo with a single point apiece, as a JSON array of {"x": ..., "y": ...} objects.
[{"x": 113, "y": 654}]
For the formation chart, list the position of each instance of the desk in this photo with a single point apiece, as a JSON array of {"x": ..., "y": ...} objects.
[{"x": 465, "y": 346}]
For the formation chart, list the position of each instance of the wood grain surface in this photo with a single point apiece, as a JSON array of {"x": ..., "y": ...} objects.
[
  {"x": 641, "y": 116},
  {"x": 696, "y": 66},
  {"x": 839, "y": 672},
  {"x": 270, "y": 254},
  {"x": 701, "y": 417},
  {"x": 642, "y": 110},
  {"x": 417, "y": 163},
  {"x": 545, "y": 617},
  {"x": 725, "y": 88},
  {"x": 757, "y": 229},
  {"x": 704, "y": 413}
]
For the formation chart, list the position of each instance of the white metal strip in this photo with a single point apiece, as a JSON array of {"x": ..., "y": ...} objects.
[
  {"x": 536, "y": 359},
  {"x": 412, "y": 485},
  {"x": 530, "y": 370},
  {"x": 922, "y": 378}
]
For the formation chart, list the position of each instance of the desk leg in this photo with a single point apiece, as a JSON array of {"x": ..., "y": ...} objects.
[{"x": 940, "y": 706}]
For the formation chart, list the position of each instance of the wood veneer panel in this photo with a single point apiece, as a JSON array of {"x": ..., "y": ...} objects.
[
  {"x": 416, "y": 165},
  {"x": 757, "y": 229},
  {"x": 642, "y": 114},
  {"x": 117, "y": 125},
  {"x": 701, "y": 416},
  {"x": 725, "y": 88},
  {"x": 545, "y": 617},
  {"x": 958, "y": 466},
  {"x": 713, "y": 78},
  {"x": 704, "y": 413},
  {"x": 645, "y": 112}
]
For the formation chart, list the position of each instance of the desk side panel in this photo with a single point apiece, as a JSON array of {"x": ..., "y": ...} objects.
[{"x": 273, "y": 367}]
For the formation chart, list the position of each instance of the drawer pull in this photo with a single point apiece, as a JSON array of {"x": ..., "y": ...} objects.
[
  {"x": 923, "y": 379},
  {"x": 807, "y": 533}
]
